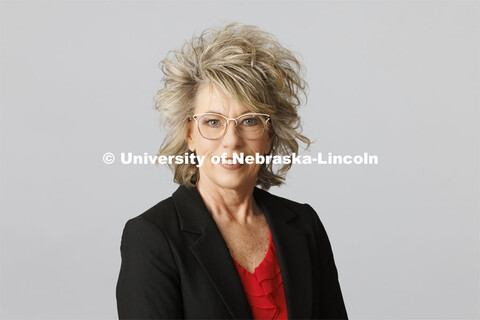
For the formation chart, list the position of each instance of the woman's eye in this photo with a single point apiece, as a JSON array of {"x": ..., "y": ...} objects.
[
  {"x": 213, "y": 123},
  {"x": 250, "y": 121}
]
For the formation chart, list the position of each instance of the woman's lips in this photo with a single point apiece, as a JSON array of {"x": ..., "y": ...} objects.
[{"x": 231, "y": 165}]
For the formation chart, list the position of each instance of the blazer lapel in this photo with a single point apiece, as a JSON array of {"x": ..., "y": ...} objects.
[
  {"x": 293, "y": 254},
  {"x": 212, "y": 253}
]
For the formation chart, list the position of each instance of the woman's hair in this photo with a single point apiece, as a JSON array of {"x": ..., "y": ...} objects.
[{"x": 250, "y": 66}]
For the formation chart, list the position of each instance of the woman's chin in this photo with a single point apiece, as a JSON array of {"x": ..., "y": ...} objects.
[
  {"x": 228, "y": 178},
  {"x": 230, "y": 184},
  {"x": 230, "y": 181}
]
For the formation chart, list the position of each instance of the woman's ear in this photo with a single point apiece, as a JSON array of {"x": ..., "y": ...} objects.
[
  {"x": 271, "y": 138},
  {"x": 270, "y": 143},
  {"x": 189, "y": 138}
]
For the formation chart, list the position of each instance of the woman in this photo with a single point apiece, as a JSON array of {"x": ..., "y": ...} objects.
[{"x": 220, "y": 247}]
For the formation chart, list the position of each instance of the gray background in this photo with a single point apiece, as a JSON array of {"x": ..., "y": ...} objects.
[{"x": 396, "y": 79}]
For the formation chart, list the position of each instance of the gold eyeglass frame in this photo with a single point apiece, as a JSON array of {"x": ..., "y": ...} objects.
[{"x": 195, "y": 116}]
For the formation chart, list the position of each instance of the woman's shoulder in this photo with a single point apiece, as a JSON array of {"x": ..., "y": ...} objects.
[
  {"x": 288, "y": 202},
  {"x": 299, "y": 209},
  {"x": 160, "y": 217}
]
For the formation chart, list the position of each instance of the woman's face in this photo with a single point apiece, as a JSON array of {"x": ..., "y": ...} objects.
[{"x": 209, "y": 99}]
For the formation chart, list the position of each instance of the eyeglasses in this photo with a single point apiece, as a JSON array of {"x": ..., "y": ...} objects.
[{"x": 213, "y": 126}]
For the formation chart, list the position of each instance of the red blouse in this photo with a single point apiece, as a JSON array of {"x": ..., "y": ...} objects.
[{"x": 264, "y": 287}]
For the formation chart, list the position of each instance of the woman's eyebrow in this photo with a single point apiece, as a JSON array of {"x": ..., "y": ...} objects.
[{"x": 245, "y": 112}]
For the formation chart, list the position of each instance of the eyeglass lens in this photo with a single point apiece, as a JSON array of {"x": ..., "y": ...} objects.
[{"x": 249, "y": 126}]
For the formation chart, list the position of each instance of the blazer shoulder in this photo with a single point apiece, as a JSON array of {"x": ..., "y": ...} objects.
[
  {"x": 163, "y": 215},
  {"x": 300, "y": 209}
]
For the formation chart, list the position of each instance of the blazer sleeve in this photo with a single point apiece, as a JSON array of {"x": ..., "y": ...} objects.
[
  {"x": 148, "y": 285},
  {"x": 330, "y": 301}
]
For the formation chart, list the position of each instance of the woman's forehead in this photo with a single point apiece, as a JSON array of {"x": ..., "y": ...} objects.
[{"x": 211, "y": 99}]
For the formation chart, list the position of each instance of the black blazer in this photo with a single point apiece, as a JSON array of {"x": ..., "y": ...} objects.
[{"x": 175, "y": 263}]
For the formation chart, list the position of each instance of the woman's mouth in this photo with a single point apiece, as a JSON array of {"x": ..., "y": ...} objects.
[{"x": 230, "y": 164}]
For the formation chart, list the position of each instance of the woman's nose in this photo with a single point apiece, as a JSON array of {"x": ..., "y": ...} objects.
[{"x": 232, "y": 137}]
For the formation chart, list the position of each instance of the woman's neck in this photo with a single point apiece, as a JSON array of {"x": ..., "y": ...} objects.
[{"x": 229, "y": 205}]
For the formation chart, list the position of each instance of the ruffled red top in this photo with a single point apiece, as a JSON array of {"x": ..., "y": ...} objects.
[{"x": 264, "y": 287}]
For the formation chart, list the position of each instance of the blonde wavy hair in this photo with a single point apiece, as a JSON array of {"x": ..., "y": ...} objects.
[{"x": 252, "y": 67}]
